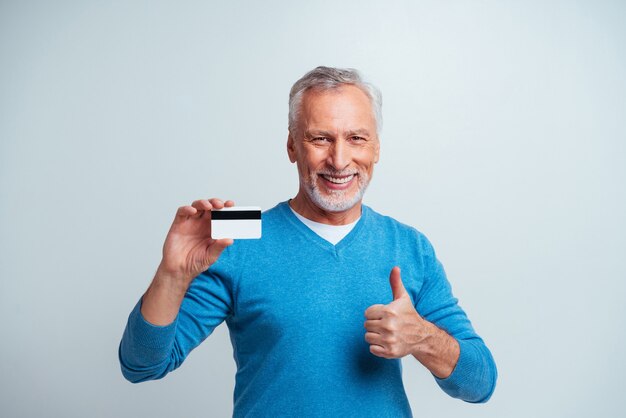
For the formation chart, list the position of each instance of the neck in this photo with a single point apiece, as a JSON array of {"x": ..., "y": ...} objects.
[{"x": 303, "y": 205}]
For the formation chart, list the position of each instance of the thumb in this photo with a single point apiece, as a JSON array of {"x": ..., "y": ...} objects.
[
  {"x": 397, "y": 287},
  {"x": 216, "y": 248}
]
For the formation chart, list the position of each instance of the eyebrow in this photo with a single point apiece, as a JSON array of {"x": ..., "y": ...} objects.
[
  {"x": 315, "y": 132},
  {"x": 361, "y": 132}
]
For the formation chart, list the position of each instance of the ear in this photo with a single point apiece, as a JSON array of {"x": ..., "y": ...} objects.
[{"x": 291, "y": 148}]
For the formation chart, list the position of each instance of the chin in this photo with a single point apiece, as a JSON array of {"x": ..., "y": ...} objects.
[
  {"x": 335, "y": 201},
  {"x": 330, "y": 203}
]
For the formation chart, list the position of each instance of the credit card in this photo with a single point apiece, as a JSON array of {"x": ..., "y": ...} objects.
[{"x": 237, "y": 222}]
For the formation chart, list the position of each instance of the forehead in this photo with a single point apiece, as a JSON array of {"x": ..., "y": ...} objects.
[{"x": 346, "y": 103}]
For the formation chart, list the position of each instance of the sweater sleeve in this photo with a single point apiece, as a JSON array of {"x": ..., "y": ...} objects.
[
  {"x": 149, "y": 352},
  {"x": 474, "y": 376}
]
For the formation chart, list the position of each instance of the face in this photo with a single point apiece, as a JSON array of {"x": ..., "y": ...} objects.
[{"x": 335, "y": 147}]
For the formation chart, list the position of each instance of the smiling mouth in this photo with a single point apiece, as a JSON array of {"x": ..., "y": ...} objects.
[{"x": 337, "y": 180}]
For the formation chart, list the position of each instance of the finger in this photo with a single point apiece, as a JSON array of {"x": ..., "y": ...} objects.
[
  {"x": 202, "y": 204},
  {"x": 373, "y": 326},
  {"x": 229, "y": 204},
  {"x": 185, "y": 211},
  {"x": 378, "y": 351},
  {"x": 217, "y": 247},
  {"x": 397, "y": 287},
  {"x": 375, "y": 312},
  {"x": 373, "y": 338},
  {"x": 217, "y": 203},
  {"x": 223, "y": 243}
]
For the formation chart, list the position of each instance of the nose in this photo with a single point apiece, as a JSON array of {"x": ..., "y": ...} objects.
[{"x": 338, "y": 155}]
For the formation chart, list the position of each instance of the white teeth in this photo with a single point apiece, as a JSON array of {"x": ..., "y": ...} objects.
[{"x": 338, "y": 180}]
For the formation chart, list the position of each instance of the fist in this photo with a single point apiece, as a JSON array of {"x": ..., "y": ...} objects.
[{"x": 396, "y": 329}]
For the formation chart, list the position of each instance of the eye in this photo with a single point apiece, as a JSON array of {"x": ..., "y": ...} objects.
[
  {"x": 320, "y": 139},
  {"x": 356, "y": 138}
]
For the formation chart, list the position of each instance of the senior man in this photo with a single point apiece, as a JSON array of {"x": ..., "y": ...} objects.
[{"x": 324, "y": 306}]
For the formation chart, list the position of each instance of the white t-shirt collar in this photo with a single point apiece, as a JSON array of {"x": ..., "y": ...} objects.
[{"x": 331, "y": 233}]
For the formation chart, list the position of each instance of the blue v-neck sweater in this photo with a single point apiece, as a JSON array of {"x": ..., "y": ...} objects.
[{"x": 294, "y": 305}]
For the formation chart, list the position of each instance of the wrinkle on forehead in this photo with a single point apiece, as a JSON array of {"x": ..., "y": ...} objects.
[{"x": 341, "y": 111}]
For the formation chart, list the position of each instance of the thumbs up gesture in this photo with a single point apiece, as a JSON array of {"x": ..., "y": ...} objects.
[{"x": 396, "y": 329}]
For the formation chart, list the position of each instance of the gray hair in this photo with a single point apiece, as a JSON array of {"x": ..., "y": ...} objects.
[{"x": 329, "y": 78}]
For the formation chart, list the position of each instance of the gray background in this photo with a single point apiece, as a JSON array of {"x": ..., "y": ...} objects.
[{"x": 504, "y": 142}]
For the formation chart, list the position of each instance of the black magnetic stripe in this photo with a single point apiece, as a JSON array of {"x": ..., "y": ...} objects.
[{"x": 235, "y": 214}]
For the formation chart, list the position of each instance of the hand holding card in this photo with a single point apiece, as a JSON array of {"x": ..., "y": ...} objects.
[{"x": 237, "y": 222}]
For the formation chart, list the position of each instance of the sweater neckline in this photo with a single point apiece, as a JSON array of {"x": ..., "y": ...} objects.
[{"x": 315, "y": 238}]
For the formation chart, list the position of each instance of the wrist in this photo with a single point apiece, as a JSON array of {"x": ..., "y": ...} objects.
[
  {"x": 162, "y": 300},
  {"x": 171, "y": 281},
  {"x": 425, "y": 345},
  {"x": 437, "y": 350}
]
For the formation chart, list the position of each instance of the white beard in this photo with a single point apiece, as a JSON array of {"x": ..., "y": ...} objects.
[{"x": 335, "y": 200}]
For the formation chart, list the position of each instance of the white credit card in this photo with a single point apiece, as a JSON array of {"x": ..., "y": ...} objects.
[{"x": 237, "y": 222}]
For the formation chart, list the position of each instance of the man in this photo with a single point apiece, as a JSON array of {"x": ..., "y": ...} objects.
[{"x": 318, "y": 310}]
